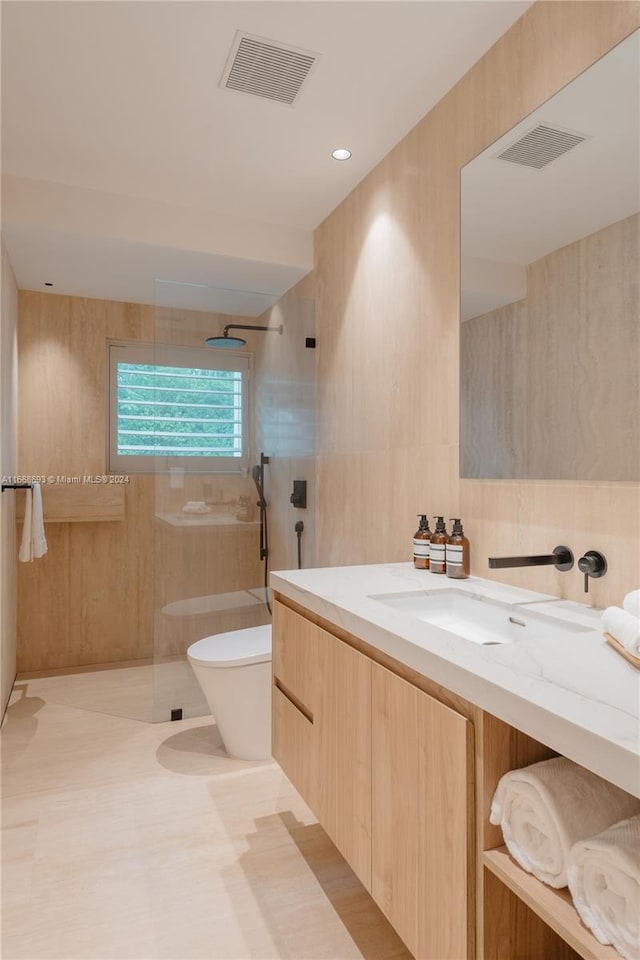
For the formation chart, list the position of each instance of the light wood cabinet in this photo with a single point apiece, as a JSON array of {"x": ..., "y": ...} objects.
[
  {"x": 400, "y": 772},
  {"x": 322, "y": 730},
  {"x": 421, "y": 802},
  {"x": 386, "y": 769}
]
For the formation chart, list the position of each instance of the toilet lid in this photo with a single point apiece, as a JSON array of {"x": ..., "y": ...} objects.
[{"x": 234, "y": 649}]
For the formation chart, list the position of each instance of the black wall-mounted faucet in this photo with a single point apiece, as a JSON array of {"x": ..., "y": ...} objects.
[{"x": 561, "y": 559}]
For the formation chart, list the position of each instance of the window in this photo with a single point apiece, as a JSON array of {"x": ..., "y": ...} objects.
[{"x": 174, "y": 406}]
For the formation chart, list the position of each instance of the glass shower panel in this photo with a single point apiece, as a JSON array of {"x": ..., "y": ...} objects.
[{"x": 208, "y": 573}]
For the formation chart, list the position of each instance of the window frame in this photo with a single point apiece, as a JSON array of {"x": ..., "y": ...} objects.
[{"x": 203, "y": 358}]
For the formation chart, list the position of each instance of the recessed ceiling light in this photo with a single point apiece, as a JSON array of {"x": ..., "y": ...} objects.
[{"x": 341, "y": 153}]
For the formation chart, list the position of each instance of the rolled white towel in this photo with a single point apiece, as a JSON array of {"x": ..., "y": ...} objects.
[
  {"x": 631, "y": 603},
  {"x": 604, "y": 880},
  {"x": 624, "y": 627},
  {"x": 545, "y": 808}
]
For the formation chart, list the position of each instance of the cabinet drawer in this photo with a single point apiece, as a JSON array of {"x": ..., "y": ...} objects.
[
  {"x": 322, "y": 730},
  {"x": 293, "y": 746},
  {"x": 295, "y": 654}
]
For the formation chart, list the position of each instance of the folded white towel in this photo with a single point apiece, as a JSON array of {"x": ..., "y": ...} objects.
[
  {"x": 545, "y": 808},
  {"x": 604, "y": 880},
  {"x": 34, "y": 542},
  {"x": 624, "y": 627},
  {"x": 196, "y": 506},
  {"x": 631, "y": 603}
]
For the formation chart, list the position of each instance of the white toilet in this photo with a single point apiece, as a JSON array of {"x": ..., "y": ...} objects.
[{"x": 234, "y": 671}]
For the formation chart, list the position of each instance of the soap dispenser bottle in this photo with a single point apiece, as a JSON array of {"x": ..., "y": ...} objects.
[
  {"x": 421, "y": 543},
  {"x": 457, "y": 553},
  {"x": 437, "y": 558}
]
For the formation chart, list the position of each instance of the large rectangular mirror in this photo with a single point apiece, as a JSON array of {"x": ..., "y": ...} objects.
[{"x": 550, "y": 325}]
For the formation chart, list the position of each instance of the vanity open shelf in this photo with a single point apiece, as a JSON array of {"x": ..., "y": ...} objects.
[{"x": 554, "y": 907}]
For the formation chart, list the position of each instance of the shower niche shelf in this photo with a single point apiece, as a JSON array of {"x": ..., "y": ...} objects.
[{"x": 79, "y": 502}]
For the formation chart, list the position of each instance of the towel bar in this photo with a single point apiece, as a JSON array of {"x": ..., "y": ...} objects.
[{"x": 16, "y": 486}]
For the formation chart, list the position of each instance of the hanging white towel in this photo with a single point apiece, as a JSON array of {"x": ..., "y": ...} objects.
[
  {"x": 545, "y": 808},
  {"x": 604, "y": 880},
  {"x": 34, "y": 542}
]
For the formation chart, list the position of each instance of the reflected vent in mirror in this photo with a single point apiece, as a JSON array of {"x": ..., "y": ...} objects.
[
  {"x": 541, "y": 146},
  {"x": 266, "y": 68}
]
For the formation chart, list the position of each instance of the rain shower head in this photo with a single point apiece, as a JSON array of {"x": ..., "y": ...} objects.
[{"x": 226, "y": 342}]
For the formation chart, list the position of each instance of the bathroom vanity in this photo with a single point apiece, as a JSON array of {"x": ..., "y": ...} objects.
[{"x": 399, "y": 700}]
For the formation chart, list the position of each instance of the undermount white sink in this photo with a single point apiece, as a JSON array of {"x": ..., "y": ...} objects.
[{"x": 478, "y": 618}]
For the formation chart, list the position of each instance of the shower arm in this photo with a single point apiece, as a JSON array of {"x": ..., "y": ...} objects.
[{"x": 248, "y": 326}]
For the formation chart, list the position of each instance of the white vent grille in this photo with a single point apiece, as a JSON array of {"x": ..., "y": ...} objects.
[
  {"x": 542, "y": 146},
  {"x": 266, "y": 68}
]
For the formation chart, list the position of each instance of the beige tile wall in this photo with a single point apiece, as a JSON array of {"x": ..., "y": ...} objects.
[
  {"x": 96, "y": 595},
  {"x": 8, "y": 467},
  {"x": 285, "y": 412},
  {"x": 387, "y": 275},
  {"x": 550, "y": 384}
]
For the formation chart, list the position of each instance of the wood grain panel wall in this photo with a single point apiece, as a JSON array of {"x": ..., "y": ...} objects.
[
  {"x": 8, "y": 467},
  {"x": 89, "y": 600},
  {"x": 583, "y": 350},
  {"x": 93, "y": 597},
  {"x": 493, "y": 416},
  {"x": 387, "y": 273},
  {"x": 551, "y": 384}
]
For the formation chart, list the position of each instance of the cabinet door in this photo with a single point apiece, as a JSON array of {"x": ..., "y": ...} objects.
[
  {"x": 322, "y": 730},
  {"x": 421, "y": 808},
  {"x": 344, "y": 751}
]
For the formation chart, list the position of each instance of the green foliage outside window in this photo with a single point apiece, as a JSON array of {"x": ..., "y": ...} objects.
[{"x": 179, "y": 411}]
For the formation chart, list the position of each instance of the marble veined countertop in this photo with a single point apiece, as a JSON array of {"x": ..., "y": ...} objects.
[{"x": 578, "y": 696}]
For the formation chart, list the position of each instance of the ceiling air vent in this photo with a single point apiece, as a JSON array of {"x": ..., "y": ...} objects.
[
  {"x": 266, "y": 68},
  {"x": 542, "y": 146}
]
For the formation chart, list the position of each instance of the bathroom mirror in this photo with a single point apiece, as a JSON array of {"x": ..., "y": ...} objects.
[{"x": 550, "y": 326}]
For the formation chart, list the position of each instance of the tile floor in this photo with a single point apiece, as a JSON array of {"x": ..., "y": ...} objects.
[
  {"x": 142, "y": 692},
  {"x": 127, "y": 839}
]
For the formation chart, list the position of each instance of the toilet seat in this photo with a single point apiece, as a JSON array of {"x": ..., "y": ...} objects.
[{"x": 238, "y": 648}]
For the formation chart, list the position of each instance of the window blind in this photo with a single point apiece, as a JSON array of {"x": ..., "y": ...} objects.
[
  {"x": 179, "y": 412},
  {"x": 177, "y": 406}
]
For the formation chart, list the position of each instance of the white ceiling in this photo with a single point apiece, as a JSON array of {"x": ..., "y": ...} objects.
[
  {"x": 115, "y": 108},
  {"x": 513, "y": 215}
]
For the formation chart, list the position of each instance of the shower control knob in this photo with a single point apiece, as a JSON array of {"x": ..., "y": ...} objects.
[{"x": 592, "y": 564}]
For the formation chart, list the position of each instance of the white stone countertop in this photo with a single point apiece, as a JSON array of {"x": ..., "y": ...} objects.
[{"x": 578, "y": 696}]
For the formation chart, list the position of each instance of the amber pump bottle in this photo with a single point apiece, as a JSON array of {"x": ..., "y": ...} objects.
[
  {"x": 437, "y": 558},
  {"x": 421, "y": 543},
  {"x": 457, "y": 553}
]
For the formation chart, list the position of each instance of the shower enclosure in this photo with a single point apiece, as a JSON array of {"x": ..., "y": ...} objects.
[{"x": 232, "y": 429}]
